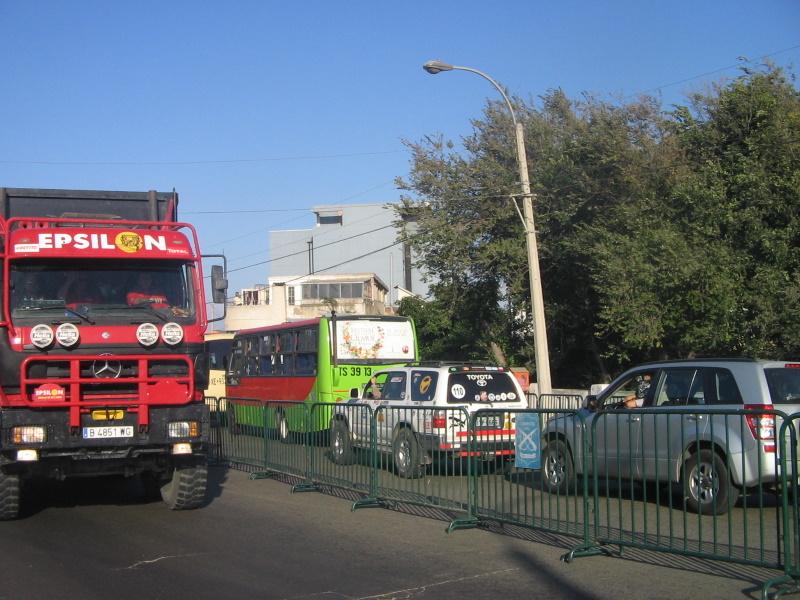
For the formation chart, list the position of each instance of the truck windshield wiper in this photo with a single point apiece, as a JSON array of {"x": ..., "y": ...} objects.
[
  {"x": 149, "y": 308},
  {"x": 63, "y": 307},
  {"x": 79, "y": 315}
]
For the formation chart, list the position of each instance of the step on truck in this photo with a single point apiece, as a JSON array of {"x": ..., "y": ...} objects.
[{"x": 102, "y": 360}]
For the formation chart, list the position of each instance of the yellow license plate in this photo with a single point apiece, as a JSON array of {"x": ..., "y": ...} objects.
[{"x": 108, "y": 414}]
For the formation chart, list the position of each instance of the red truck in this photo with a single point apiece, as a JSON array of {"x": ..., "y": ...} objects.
[{"x": 102, "y": 360}]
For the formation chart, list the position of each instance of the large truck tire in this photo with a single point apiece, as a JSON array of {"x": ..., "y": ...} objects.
[
  {"x": 9, "y": 496},
  {"x": 186, "y": 489}
]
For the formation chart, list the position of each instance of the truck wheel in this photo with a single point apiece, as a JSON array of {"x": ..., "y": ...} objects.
[
  {"x": 186, "y": 489},
  {"x": 557, "y": 470},
  {"x": 341, "y": 444},
  {"x": 707, "y": 484},
  {"x": 407, "y": 454},
  {"x": 9, "y": 496}
]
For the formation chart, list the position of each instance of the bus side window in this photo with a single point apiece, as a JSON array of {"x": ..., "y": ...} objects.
[
  {"x": 306, "y": 364},
  {"x": 265, "y": 364}
]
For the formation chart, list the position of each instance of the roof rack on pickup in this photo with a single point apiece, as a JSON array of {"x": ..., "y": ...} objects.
[{"x": 454, "y": 363}]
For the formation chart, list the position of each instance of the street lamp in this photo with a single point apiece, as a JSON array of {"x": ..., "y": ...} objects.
[{"x": 537, "y": 302}]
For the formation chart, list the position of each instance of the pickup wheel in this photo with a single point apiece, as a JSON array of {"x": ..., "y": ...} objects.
[
  {"x": 407, "y": 454},
  {"x": 558, "y": 471},
  {"x": 9, "y": 496},
  {"x": 186, "y": 489},
  {"x": 341, "y": 443}
]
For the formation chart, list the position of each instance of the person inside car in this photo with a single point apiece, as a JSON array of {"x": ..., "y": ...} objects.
[
  {"x": 79, "y": 289},
  {"x": 636, "y": 399},
  {"x": 145, "y": 291}
]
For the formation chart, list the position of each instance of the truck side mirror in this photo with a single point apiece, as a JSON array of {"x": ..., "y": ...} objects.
[
  {"x": 354, "y": 394},
  {"x": 591, "y": 402},
  {"x": 219, "y": 284}
]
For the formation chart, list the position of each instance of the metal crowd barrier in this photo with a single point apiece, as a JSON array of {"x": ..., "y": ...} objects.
[{"x": 658, "y": 479}]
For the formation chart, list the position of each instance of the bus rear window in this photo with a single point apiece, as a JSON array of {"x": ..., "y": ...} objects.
[
  {"x": 481, "y": 387},
  {"x": 784, "y": 385}
]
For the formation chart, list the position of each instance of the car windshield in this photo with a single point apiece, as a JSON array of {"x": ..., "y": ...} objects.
[
  {"x": 478, "y": 386},
  {"x": 784, "y": 385},
  {"x": 102, "y": 289}
]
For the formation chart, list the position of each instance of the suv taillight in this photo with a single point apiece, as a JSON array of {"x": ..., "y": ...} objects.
[
  {"x": 439, "y": 420},
  {"x": 762, "y": 426}
]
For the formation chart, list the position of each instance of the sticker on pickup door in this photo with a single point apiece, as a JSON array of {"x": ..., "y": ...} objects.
[{"x": 115, "y": 431}]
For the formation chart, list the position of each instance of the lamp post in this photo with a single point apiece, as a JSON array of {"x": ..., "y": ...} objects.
[{"x": 537, "y": 302}]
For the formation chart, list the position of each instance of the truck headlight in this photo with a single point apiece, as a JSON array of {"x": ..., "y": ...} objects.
[
  {"x": 27, "y": 434},
  {"x": 183, "y": 429}
]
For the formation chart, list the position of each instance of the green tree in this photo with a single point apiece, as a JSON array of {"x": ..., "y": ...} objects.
[{"x": 661, "y": 234}]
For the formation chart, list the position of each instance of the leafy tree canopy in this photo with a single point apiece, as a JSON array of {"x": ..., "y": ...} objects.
[{"x": 661, "y": 234}]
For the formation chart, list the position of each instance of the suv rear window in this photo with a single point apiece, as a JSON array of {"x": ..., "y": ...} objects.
[
  {"x": 481, "y": 387},
  {"x": 784, "y": 385}
]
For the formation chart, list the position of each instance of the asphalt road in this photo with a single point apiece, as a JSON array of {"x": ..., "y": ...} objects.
[{"x": 254, "y": 539}]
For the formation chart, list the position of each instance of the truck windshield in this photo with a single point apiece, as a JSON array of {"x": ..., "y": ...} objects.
[{"x": 102, "y": 289}]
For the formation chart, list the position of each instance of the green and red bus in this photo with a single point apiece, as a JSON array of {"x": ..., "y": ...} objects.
[{"x": 312, "y": 361}]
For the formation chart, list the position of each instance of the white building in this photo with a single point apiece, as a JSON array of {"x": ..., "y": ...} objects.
[
  {"x": 294, "y": 298},
  {"x": 355, "y": 238}
]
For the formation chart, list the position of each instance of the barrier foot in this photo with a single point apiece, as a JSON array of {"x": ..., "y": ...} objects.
[
  {"x": 785, "y": 584},
  {"x": 305, "y": 487},
  {"x": 584, "y": 550},
  {"x": 367, "y": 503},
  {"x": 463, "y": 523},
  {"x": 261, "y": 475}
]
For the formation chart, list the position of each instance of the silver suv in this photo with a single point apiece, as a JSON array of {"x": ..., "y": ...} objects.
[
  {"x": 423, "y": 411},
  {"x": 698, "y": 423}
]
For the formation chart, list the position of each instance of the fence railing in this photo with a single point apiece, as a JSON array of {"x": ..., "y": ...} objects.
[{"x": 685, "y": 480}]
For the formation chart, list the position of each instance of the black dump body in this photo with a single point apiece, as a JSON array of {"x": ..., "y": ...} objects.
[{"x": 88, "y": 204}]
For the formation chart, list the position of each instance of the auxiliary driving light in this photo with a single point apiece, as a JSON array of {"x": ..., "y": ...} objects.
[
  {"x": 42, "y": 335},
  {"x": 172, "y": 333},
  {"x": 182, "y": 448},
  {"x": 147, "y": 334},
  {"x": 67, "y": 335},
  {"x": 27, "y": 434},
  {"x": 183, "y": 429},
  {"x": 27, "y": 455}
]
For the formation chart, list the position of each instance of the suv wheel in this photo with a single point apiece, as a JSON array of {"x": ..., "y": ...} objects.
[
  {"x": 558, "y": 471},
  {"x": 707, "y": 484},
  {"x": 341, "y": 444},
  {"x": 407, "y": 454}
]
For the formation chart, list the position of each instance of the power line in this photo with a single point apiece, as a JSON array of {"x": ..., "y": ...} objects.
[
  {"x": 270, "y": 210},
  {"x": 349, "y": 260},
  {"x": 197, "y": 162},
  {"x": 264, "y": 262},
  {"x": 714, "y": 72}
]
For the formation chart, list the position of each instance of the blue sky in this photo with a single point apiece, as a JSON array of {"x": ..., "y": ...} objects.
[{"x": 279, "y": 106}]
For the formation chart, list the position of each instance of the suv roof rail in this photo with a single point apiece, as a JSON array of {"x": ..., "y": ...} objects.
[
  {"x": 451, "y": 363},
  {"x": 742, "y": 359}
]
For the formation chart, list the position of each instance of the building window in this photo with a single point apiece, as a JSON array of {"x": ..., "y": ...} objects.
[
  {"x": 255, "y": 297},
  {"x": 319, "y": 291},
  {"x": 290, "y": 295},
  {"x": 331, "y": 218}
]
